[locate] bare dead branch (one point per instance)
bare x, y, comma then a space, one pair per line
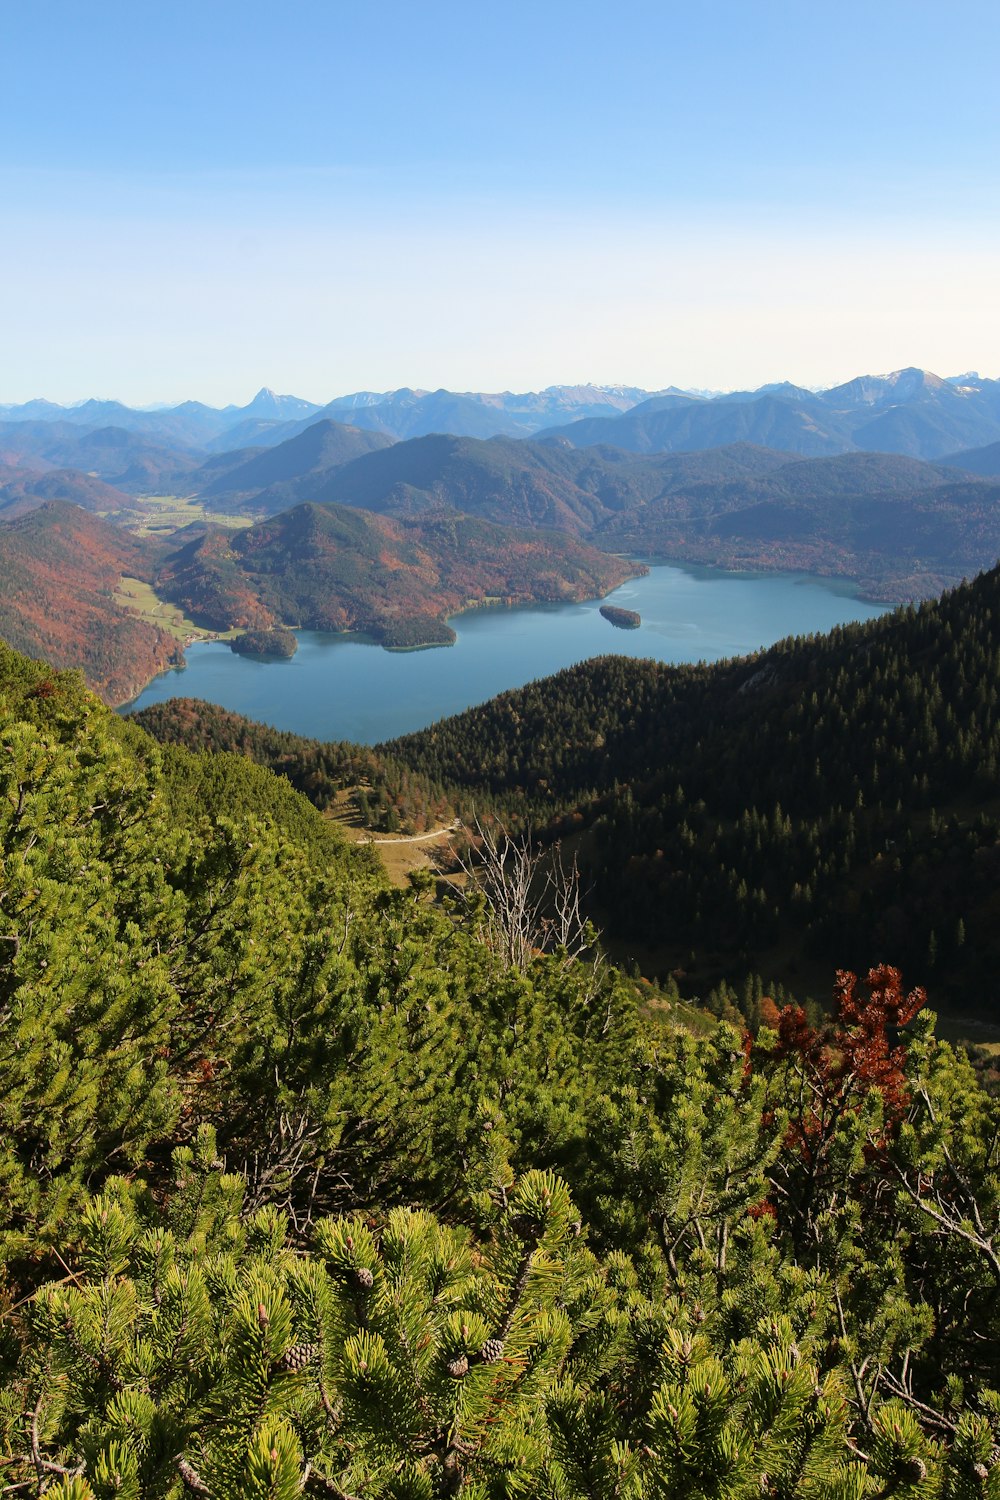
527, 900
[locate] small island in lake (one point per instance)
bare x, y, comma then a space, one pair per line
265, 643
624, 619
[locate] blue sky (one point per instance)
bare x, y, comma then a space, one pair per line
200, 199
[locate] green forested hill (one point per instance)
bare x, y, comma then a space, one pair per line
829, 799
388, 792
22, 490
307, 1190
903, 527
329, 567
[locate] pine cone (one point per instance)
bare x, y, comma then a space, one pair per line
299, 1356
458, 1367
364, 1278
492, 1351
912, 1470
981, 1472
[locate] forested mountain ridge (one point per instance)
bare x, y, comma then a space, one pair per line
329, 567
689, 426
306, 1191
902, 527
22, 490
501, 480
984, 461
898, 535
837, 794
59, 567
322, 446
129, 461
325, 567
390, 796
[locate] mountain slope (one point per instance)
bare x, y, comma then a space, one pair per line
22, 490
322, 447
59, 568
911, 411
409, 414
333, 568
130, 461
838, 794
510, 482
688, 425
902, 527
985, 461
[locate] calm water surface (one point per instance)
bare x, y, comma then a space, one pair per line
342, 688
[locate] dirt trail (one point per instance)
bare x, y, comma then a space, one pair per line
399, 853
414, 838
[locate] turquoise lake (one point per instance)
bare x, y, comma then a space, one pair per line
340, 687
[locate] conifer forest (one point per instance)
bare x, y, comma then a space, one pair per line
499, 750
317, 1186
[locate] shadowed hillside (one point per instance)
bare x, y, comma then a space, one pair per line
835, 794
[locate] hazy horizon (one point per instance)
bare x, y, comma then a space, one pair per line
322, 400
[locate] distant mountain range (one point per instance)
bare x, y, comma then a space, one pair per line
910, 411
270, 418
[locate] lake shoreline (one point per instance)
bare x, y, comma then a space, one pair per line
336, 689
199, 636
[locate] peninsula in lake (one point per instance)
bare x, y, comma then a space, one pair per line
359, 516
321, 566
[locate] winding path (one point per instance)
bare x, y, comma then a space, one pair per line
416, 838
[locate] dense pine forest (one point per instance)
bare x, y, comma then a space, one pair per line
830, 801
388, 795
309, 1190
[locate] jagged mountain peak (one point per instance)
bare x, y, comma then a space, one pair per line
269, 403
891, 388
